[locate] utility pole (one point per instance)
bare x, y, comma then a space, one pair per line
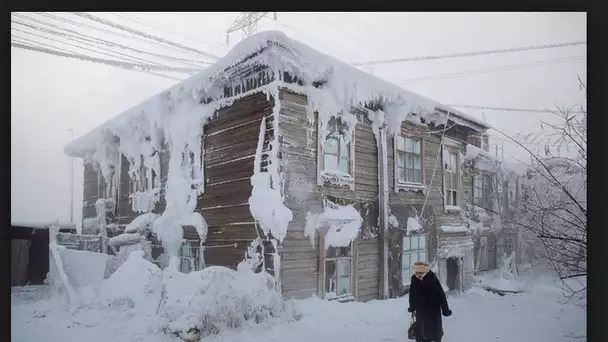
247, 22
71, 180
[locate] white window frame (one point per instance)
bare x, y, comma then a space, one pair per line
324, 176
451, 147
405, 185
421, 253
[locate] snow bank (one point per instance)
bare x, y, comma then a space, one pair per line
218, 298
135, 285
341, 221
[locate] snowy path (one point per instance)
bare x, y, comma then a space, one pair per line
478, 316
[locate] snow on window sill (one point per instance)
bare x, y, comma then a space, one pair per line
335, 177
452, 208
415, 187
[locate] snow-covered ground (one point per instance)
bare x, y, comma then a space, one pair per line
537, 314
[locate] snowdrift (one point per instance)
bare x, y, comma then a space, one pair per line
78, 274
207, 301
218, 298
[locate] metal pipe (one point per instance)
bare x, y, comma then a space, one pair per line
383, 206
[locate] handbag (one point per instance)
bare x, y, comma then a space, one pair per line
414, 329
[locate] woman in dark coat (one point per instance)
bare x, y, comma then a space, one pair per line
428, 303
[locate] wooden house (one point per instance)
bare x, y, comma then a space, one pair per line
283, 150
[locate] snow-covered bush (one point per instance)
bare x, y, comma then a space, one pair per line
136, 285
218, 298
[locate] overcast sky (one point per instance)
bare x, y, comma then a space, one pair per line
52, 94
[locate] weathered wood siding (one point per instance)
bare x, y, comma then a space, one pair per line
230, 142
300, 261
368, 269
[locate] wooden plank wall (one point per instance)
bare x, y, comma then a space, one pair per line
230, 142
299, 268
20, 252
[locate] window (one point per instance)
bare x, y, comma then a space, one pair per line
409, 160
414, 249
338, 272
336, 154
479, 187
189, 256
450, 178
145, 178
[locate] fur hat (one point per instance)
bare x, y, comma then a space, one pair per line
421, 267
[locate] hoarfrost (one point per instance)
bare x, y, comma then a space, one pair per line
341, 221
413, 225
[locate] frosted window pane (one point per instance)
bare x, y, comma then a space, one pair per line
406, 243
400, 159
401, 173
453, 161
423, 256
331, 146
422, 241
408, 161
344, 164
344, 267
330, 277
416, 146
417, 176
400, 143
414, 242
331, 162
408, 145
417, 162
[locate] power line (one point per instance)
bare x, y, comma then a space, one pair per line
108, 52
124, 65
474, 53
143, 34
490, 70
165, 28
522, 110
81, 36
110, 32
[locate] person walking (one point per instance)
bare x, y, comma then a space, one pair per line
427, 302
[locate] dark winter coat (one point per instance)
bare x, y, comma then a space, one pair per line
428, 302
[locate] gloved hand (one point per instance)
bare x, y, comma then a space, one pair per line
410, 310
447, 313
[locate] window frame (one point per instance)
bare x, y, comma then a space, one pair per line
449, 148
324, 175
399, 185
145, 180
323, 258
479, 178
417, 251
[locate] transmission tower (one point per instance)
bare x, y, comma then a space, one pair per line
247, 22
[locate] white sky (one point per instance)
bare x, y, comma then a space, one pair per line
51, 94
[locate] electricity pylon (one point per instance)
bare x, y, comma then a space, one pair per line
247, 22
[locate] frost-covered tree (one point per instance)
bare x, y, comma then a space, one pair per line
550, 211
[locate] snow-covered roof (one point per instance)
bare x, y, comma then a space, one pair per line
279, 53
